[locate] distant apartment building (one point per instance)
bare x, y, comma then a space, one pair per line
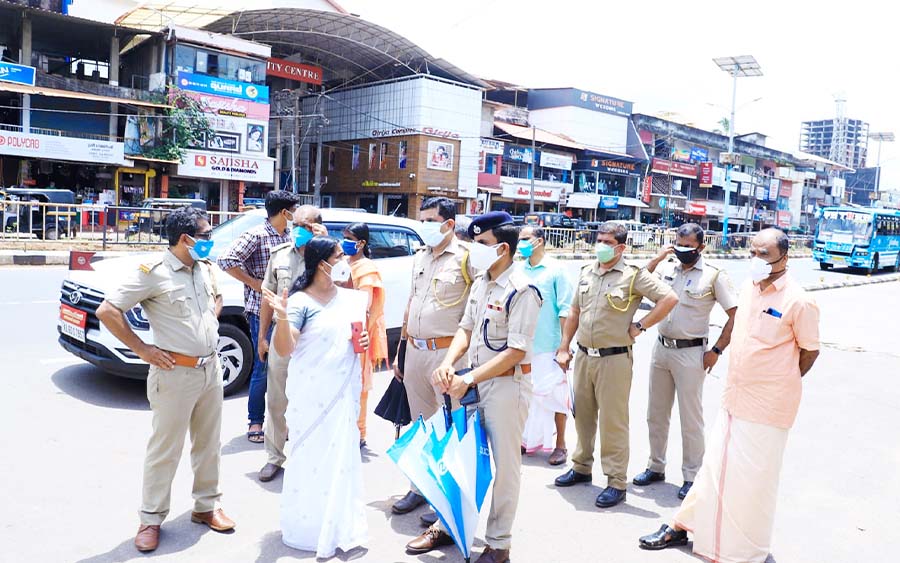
839, 139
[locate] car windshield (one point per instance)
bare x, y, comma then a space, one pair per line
846, 227
224, 234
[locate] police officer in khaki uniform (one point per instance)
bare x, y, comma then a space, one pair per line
441, 278
179, 295
496, 333
680, 359
285, 265
607, 297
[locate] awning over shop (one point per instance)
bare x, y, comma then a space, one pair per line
42, 91
541, 137
631, 202
586, 200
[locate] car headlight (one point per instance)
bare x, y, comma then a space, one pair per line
862, 252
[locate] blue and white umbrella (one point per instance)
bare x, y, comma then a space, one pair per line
451, 465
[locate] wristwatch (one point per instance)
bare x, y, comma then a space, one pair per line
716, 349
468, 379
640, 327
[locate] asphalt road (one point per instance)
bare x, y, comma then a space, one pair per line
73, 441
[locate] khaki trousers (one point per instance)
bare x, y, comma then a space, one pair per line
676, 371
182, 400
424, 399
603, 384
276, 405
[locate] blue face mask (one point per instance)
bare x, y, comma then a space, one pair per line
349, 247
525, 248
201, 248
301, 236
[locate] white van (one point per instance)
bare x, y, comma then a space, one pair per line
393, 241
638, 233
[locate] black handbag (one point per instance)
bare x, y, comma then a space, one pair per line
471, 397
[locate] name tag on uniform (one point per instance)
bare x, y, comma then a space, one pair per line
494, 307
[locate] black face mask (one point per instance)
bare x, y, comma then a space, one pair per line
687, 257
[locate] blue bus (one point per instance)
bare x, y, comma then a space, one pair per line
867, 238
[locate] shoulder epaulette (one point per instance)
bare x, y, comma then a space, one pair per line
147, 267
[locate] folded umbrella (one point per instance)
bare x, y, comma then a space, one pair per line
394, 405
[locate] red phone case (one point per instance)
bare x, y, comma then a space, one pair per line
357, 328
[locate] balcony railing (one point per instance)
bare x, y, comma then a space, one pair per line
59, 133
72, 84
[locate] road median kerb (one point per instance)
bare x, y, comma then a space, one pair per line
46, 258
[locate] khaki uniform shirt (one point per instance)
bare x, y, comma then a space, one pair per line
608, 301
285, 265
487, 308
439, 291
179, 302
698, 290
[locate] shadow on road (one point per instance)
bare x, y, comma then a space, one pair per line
175, 536
271, 549
240, 444
93, 386
583, 496
663, 494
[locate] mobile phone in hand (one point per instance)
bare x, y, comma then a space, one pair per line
356, 329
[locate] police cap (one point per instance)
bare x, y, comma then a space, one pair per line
488, 221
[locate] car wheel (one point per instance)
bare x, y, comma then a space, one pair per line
235, 353
824, 266
51, 234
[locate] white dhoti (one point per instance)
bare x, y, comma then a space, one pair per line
731, 508
550, 396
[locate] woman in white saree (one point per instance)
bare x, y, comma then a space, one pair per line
321, 500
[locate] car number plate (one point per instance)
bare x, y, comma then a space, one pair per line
72, 322
837, 259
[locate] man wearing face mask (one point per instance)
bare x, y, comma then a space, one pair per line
285, 265
179, 295
550, 400
441, 277
246, 260
680, 360
731, 507
495, 336
606, 300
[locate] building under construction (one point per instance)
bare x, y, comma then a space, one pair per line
840, 139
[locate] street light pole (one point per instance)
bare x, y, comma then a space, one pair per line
880, 137
533, 169
744, 65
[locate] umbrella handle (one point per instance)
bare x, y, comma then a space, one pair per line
448, 410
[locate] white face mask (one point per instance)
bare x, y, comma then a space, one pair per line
483, 256
431, 233
340, 271
759, 269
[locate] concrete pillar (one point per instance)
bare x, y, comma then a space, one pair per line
25, 59
113, 81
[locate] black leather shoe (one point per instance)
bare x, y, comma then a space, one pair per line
408, 503
610, 497
648, 477
571, 477
429, 518
685, 489
665, 537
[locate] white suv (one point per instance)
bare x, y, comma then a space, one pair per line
393, 241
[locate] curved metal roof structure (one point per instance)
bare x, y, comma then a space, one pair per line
350, 50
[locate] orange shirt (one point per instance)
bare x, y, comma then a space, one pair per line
763, 383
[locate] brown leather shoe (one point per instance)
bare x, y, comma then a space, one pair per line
147, 538
433, 538
215, 519
491, 555
557, 457
268, 472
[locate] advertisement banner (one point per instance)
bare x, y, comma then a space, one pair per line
298, 72
491, 146
784, 219
440, 156
647, 191
706, 174
222, 87
558, 161
17, 74
662, 166
519, 154
681, 154
787, 189
694, 208
227, 167
699, 154
609, 202
53, 147
617, 167
231, 107
515, 188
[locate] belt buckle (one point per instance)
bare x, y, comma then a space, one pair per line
594, 352
420, 343
202, 361
669, 342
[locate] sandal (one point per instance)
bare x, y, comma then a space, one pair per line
257, 437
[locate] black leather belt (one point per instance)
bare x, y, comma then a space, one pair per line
603, 352
679, 343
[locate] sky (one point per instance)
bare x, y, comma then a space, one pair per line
659, 54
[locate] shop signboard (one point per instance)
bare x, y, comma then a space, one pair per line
718, 176
784, 219
519, 154
17, 74
492, 146
695, 208
706, 174
558, 161
564, 97
52, 147
298, 72
786, 190
662, 166
516, 188
616, 167
646, 193
699, 154
231, 107
202, 164
609, 202
222, 87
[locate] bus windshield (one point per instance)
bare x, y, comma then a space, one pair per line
846, 227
